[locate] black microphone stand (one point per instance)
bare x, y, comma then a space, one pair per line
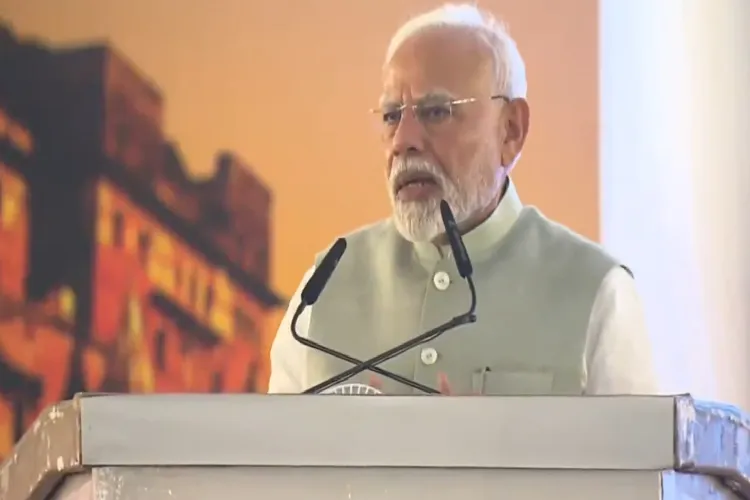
340, 355
371, 364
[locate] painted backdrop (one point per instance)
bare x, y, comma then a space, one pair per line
168, 169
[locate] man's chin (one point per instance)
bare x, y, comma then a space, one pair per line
417, 224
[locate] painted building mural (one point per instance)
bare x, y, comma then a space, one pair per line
119, 272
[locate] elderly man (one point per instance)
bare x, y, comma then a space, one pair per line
556, 314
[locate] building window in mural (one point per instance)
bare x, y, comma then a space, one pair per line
118, 229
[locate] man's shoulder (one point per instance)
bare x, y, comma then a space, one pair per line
564, 245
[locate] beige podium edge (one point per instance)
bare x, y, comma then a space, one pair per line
707, 445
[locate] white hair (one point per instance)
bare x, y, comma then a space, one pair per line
510, 71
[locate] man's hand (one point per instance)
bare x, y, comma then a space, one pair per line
376, 383
443, 385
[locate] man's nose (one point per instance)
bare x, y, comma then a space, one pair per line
409, 135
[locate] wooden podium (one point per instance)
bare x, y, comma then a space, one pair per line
232, 447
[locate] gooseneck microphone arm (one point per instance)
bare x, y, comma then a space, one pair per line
460, 254
465, 270
371, 364
336, 354
309, 296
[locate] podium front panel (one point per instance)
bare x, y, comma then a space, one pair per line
199, 446
341, 483
636, 432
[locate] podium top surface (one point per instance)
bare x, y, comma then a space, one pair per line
549, 432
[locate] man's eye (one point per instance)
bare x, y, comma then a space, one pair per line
435, 112
391, 117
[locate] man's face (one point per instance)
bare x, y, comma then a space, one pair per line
437, 150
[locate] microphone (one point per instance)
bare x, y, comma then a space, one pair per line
461, 256
323, 273
310, 294
465, 270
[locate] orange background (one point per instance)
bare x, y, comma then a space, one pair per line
287, 84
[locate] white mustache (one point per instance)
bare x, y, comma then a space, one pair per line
410, 165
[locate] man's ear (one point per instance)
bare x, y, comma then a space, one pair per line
515, 128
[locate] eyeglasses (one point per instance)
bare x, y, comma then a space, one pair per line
430, 113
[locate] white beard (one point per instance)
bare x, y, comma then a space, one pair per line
420, 221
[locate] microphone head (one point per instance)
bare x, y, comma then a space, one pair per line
461, 256
323, 272
446, 214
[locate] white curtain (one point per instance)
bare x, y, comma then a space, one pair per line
675, 180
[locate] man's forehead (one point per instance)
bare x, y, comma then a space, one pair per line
417, 88
437, 63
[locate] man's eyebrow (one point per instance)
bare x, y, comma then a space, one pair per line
436, 96
384, 102
439, 95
